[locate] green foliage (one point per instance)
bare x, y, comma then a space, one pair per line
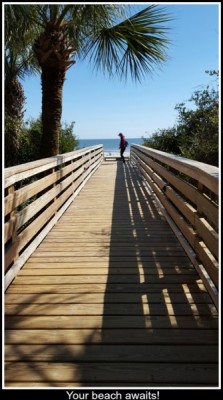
14, 101
199, 128
164, 140
30, 140
18, 62
196, 134
67, 140
12, 128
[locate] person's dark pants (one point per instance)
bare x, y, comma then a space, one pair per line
121, 154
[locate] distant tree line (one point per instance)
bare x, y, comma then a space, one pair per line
196, 134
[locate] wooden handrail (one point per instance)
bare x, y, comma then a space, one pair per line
188, 193
36, 195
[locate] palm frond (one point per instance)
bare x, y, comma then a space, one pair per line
19, 58
136, 45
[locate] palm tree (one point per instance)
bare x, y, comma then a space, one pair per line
19, 61
134, 45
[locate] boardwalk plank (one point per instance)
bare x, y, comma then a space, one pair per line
117, 321
92, 269
110, 309
89, 298
118, 353
116, 372
143, 288
112, 336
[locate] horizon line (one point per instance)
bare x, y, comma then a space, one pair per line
109, 138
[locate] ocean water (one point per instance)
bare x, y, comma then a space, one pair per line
110, 145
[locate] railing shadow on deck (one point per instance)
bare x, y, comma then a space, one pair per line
149, 319
146, 338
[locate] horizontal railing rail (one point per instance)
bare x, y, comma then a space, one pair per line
36, 195
188, 193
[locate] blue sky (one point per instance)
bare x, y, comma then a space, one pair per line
102, 107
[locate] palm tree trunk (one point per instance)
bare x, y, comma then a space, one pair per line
52, 89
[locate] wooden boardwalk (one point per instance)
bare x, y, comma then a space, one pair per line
110, 299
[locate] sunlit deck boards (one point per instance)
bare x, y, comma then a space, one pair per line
110, 298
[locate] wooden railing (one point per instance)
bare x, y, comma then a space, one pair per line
36, 195
188, 194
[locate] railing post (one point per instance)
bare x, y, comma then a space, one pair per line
12, 220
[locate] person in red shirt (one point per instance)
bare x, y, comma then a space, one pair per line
122, 146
